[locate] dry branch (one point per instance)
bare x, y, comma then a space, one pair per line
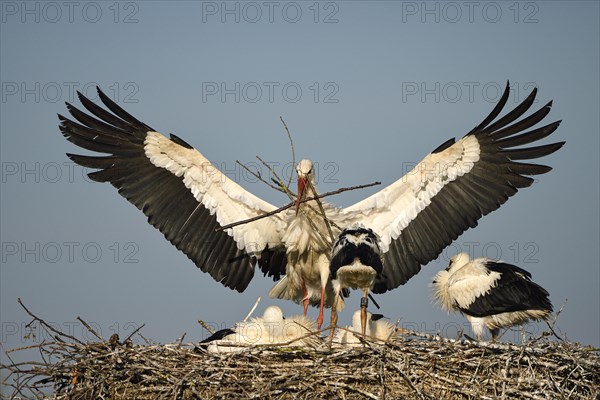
291, 145
260, 178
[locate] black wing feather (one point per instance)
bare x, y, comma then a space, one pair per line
461, 203
514, 291
162, 196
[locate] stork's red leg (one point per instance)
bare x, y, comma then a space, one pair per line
305, 300
321, 306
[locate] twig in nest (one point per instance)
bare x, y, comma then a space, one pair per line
134, 332
551, 326
46, 325
89, 328
408, 381
355, 389
180, 341
253, 308
205, 326
292, 204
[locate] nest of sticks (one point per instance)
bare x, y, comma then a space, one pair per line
409, 365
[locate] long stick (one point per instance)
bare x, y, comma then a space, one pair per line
280, 209
322, 210
292, 146
46, 325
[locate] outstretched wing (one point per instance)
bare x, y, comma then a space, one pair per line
180, 191
452, 188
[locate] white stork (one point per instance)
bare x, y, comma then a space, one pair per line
271, 328
491, 294
356, 260
187, 198
377, 328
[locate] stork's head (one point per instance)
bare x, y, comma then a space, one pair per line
457, 261
444, 279
273, 314
305, 177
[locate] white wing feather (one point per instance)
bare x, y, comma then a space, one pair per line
390, 210
470, 282
219, 194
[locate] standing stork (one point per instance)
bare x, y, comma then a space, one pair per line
491, 294
307, 240
187, 198
356, 260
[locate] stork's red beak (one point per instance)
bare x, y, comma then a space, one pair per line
301, 188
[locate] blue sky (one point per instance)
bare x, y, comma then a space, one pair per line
366, 88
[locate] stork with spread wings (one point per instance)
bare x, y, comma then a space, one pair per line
187, 198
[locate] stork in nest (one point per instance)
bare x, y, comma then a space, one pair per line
491, 294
